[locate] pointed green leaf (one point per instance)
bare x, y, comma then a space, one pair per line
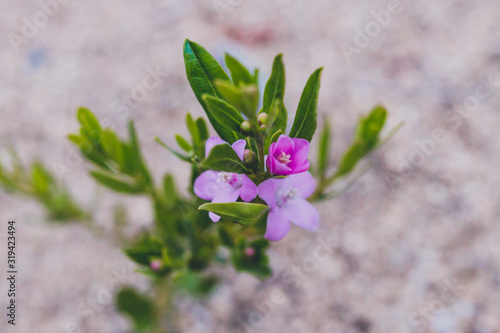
224, 158
136, 152
324, 149
202, 128
304, 124
238, 212
112, 146
183, 143
173, 151
115, 183
239, 73
88, 120
275, 86
202, 71
223, 112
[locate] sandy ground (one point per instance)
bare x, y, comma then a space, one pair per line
412, 247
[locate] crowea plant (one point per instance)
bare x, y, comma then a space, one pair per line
251, 180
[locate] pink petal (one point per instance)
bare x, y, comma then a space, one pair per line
299, 156
206, 186
302, 213
214, 217
285, 144
304, 182
277, 225
212, 142
267, 192
239, 147
302, 167
248, 190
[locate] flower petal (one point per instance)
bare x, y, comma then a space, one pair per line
301, 168
212, 142
206, 186
285, 144
277, 225
299, 156
239, 147
248, 190
267, 192
302, 213
304, 182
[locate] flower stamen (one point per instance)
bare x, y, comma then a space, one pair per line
284, 158
287, 195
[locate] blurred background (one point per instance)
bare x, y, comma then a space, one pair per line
412, 247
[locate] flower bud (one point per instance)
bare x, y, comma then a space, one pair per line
262, 128
248, 156
262, 118
249, 252
156, 264
245, 127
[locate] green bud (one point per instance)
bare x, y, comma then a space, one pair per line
262, 128
262, 118
248, 156
245, 127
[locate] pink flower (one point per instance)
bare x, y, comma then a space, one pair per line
286, 198
288, 156
221, 186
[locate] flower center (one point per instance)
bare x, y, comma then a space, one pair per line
286, 195
227, 178
284, 158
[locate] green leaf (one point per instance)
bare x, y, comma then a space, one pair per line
224, 113
351, 157
112, 146
239, 73
366, 139
173, 151
137, 307
275, 86
136, 152
202, 128
202, 71
88, 120
193, 129
370, 126
183, 143
231, 94
324, 149
41, 178
304, 124
224, 158
115, 183
238, 212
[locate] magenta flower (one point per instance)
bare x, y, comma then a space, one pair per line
288, 156
220, 187
286, 198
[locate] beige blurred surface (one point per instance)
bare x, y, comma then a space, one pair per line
414, 244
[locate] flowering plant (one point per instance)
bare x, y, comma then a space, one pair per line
249, 183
